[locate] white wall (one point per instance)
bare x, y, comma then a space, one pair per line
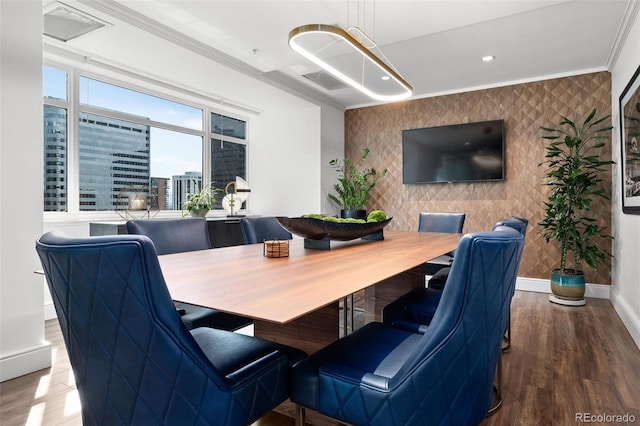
22, 345
332, 148
625, 289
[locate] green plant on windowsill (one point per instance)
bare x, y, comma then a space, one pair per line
200, 202
354, 185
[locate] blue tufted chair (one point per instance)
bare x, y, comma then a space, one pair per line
519, 224
415, 309
135, 363
440, 222
439, 279
181, 235
257, 229
388, 376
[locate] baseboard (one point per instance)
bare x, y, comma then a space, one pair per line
539, 285
49, 312
25, 362
628, 317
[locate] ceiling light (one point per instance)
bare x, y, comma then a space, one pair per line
341, 54
488, 58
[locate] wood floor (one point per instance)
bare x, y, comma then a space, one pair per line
563, 363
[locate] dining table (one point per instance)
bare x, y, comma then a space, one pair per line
294, 300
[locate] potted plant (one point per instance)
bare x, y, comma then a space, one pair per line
354, 186
200, 202
574, 174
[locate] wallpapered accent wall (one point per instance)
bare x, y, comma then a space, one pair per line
524, 108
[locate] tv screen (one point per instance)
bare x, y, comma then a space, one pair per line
456, 153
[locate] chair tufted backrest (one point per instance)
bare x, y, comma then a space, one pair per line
257, 229
173, 235
441, 222
516, 222
451, 223
456, 362
133, 359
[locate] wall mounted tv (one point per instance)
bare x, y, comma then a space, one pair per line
468, 152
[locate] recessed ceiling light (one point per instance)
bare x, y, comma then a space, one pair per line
385, 77
488, 58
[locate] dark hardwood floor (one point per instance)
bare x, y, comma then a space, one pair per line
563, 363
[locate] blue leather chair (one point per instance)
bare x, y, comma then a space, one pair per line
440, 222
134, 360
388, 376
177, 236
257, 229
415, 309
439, 279
520, 224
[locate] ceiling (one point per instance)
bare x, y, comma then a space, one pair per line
435, 45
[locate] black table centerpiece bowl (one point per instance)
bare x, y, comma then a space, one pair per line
318, 229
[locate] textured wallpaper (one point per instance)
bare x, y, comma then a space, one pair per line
524, 108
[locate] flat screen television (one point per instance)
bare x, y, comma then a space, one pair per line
468, 152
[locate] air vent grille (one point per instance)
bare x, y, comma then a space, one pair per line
65, 23
325, 80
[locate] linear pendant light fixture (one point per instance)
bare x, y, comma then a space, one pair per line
345, 57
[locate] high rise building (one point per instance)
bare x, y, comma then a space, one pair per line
114, 158
55, 158
184, 184
160, 194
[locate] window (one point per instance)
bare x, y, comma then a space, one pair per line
55, 133
55, 158
54, 83
129, 141
228, 151
107, 96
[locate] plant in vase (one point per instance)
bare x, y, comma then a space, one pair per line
200, 202
574, 175
354, 185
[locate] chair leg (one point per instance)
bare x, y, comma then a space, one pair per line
506, 339
345, 316
497, 389
300, 415
353, 321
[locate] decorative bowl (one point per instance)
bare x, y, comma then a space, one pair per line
318, 229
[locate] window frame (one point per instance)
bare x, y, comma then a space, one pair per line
75, 109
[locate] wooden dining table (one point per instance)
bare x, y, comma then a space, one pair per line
295, 300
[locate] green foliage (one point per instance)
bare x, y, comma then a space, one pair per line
313, 216
354, 186
200, 202
376, 216
333, 218
574, 171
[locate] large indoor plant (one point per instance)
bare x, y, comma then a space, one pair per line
574, 174
354, 185
199, 203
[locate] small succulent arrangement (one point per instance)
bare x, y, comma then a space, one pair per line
200, 202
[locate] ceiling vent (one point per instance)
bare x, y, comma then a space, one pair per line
65, 23
325, 80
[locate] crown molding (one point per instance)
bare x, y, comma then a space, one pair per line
630, 14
